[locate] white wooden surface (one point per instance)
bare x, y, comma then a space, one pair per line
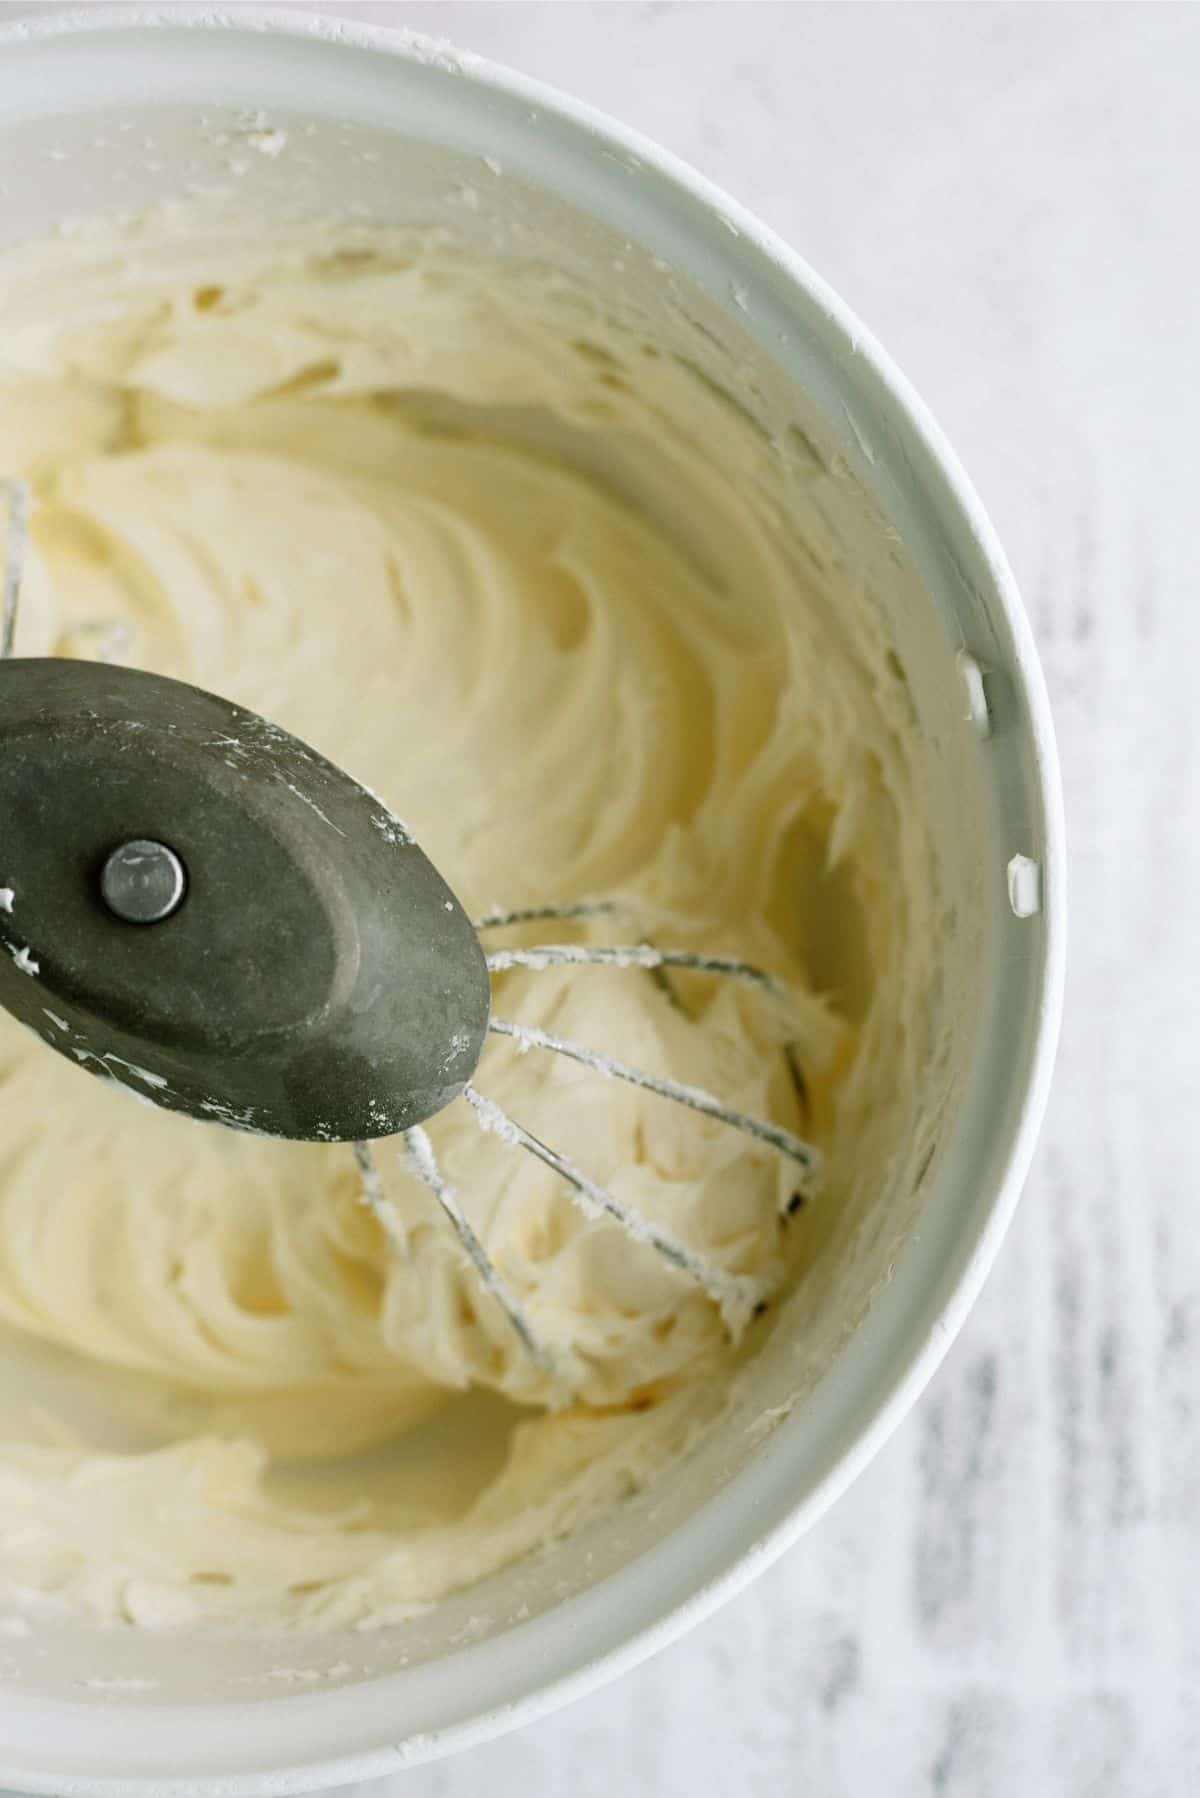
1008, 1602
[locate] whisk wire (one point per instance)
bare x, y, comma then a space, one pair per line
694, 1097
738, 1295
500, 916
423, 1162
373, 1198
631, 955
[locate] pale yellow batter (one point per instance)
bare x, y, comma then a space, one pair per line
390, 504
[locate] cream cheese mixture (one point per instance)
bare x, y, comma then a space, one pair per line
494, 559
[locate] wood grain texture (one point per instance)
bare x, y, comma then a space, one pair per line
1008, 1601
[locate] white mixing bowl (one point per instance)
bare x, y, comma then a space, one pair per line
113, 112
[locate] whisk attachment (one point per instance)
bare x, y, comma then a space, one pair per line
739, 1297
314, 977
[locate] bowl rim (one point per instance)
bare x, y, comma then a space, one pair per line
613, 1626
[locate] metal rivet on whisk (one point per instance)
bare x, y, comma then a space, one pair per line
143, 881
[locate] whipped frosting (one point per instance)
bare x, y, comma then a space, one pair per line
505, 564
